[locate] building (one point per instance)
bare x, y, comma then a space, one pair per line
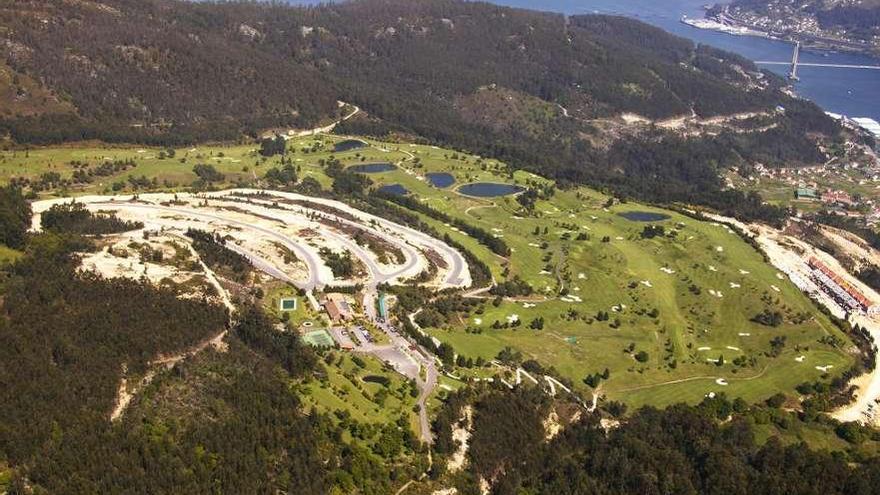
383, 309
837, 197
337, 308
846, 294
806, 193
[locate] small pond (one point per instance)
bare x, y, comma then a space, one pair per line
489, 189
644, 216
440, 180
348, 145
372, 168
396, 189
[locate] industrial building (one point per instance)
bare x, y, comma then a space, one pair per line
847, 295
806, 193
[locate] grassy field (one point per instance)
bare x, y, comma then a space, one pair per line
8, 255
683, 298
5, 477
275, 291
817, 435
346, 390
712, 286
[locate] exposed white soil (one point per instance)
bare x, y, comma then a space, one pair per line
262, 231
461, 433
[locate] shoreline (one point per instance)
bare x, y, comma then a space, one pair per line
810, 43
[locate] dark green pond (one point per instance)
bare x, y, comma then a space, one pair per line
372, 168
644, 216
348, 145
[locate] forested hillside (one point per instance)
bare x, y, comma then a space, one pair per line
521, 86
709, 448
226, 420
206, 69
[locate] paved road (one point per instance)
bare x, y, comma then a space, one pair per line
456, 271
376, 271
312, 261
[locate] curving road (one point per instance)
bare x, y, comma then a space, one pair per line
377, 275
455, 276
312, 261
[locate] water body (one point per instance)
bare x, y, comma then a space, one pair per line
440, 180
396, 189
489, 189
348, 145
851, 92
372, 168
644, 216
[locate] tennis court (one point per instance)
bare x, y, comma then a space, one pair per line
318, 338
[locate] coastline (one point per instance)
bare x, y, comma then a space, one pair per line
729, 25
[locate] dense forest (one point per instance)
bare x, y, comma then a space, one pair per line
709, 448
226, 420
169, 72
75, 218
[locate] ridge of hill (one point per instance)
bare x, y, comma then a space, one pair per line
168, 72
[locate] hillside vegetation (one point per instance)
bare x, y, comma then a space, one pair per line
522, 86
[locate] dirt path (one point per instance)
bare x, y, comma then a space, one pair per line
124, 394
321, 130
852, 245
693, 378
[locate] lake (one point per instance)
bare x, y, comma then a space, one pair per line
372, 168
440, 180
851, 92
396, 189
348, 145
489, 189
644, 216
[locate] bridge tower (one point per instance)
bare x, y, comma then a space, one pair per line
794, 62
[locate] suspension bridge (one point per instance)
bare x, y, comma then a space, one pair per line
795, 63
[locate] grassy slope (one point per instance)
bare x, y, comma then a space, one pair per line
359, 397
573, 346
690, 321
8, 254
